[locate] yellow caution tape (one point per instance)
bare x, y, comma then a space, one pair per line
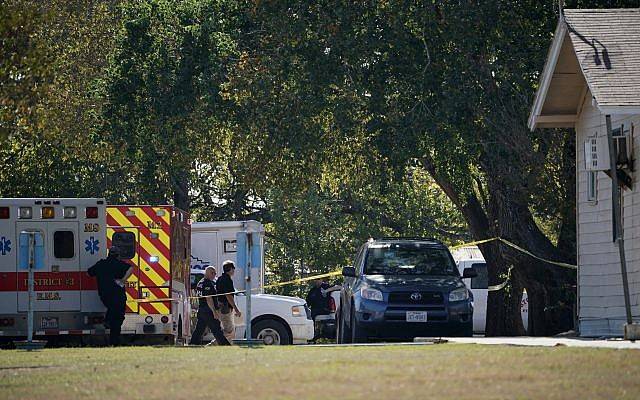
458, 246
309, 278
494, 288
515, 246
558, 263
277, 284
338, 272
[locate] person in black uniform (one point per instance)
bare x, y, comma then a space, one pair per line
208, 310
111, 274
318, 299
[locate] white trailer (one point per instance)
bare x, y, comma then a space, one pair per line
275, 319
66, 298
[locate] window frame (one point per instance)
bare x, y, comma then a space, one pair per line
475, 279
72, 241
122, 253
592, 186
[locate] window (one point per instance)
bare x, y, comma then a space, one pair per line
63, 244
126, 243
592, 186
621, 138
195, 278
482, 280
230, 246
408, 259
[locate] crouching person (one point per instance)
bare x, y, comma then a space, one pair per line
208, 310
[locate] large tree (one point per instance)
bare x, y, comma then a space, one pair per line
439, 86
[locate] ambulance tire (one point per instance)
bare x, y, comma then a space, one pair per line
272, 332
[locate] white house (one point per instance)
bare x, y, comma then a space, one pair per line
593, 71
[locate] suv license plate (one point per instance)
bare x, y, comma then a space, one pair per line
49, 323
416, 316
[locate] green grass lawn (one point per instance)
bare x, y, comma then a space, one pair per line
394, 372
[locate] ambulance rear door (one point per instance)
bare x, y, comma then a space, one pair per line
127, 240
22, 275
63, 281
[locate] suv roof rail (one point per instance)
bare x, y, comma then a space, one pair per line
426, 239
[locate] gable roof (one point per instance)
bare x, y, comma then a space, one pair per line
594, 49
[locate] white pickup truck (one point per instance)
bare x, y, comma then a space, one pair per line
275, 319
471, 257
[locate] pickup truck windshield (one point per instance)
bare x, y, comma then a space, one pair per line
408, 259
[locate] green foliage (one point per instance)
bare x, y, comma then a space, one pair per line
59, 50
163, 93
330, 121
24, 66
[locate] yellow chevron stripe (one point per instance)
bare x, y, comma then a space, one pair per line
153, 251
146, 269
167, 214
159, 308
144, 266
162, 236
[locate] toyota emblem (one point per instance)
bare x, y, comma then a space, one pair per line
416, 296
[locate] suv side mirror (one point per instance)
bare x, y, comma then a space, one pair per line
349, 271
469, 273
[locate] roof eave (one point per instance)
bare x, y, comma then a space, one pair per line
619, 110
547, 73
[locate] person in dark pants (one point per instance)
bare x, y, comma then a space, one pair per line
208, 310
111, 274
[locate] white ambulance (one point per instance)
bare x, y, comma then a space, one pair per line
66, 298
276, 320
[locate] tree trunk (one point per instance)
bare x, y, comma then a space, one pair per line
181, 190
502, 306
512, 220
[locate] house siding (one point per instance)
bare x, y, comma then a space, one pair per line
601, 309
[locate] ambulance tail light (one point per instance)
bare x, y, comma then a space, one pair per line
91, 212
164, 319
7, 322
25, 213
47, 212
4, 212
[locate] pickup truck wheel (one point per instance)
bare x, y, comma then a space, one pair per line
271, 332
